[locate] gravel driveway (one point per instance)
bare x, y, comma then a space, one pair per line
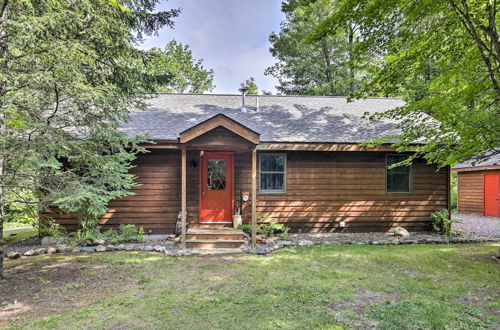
477, 225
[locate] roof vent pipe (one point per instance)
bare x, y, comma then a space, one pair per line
243, 91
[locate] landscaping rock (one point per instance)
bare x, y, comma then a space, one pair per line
148, 248
98, 241
64, 248
100, 248
184, 253
111, 247
400, 231
88, 249
305, 243
170, 253
13, 255
52, 250
261, 239
129, 247
159, 248
40, 251
29, 253
409, 241
395, 242
120, 247
76, 249
282, 244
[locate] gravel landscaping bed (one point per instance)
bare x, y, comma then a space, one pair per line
476, 225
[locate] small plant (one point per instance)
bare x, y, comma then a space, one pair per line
246, 228
140, 235
128, 232
441, 222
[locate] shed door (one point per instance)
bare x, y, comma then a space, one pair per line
491, 194
216, 187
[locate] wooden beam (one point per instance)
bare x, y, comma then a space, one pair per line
216, 121
184, 200
254, 197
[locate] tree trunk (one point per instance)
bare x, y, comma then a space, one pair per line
3, 91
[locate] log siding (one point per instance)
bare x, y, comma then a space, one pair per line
470, 191
323, 189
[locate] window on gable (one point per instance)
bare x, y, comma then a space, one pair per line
272, 173
398, 178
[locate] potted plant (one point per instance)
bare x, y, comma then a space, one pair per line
237, 216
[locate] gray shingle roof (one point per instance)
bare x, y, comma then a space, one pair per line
280, 118
492, 161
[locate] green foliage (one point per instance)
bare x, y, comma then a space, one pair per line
443, 58
269, 229
175, 70
141, 235
441, 222
322, 67
251, 86
18, 211
454, 191
125, 233
246, 228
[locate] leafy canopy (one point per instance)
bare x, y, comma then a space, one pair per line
324, 66
443, 58
177, 71
250, 85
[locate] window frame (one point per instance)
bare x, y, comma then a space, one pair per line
410, 176
285, 167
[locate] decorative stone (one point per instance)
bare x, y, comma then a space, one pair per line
400, 231
395, 242
409, 241
98, 241
184, 253
159, 248
40, 251
29, 253
52, 250
177, 240
282, 244
148, 248
120, 247
13, 255
305, 243
76, 249
111, 247
260, 239
384, 242
434, 241
170, 253
129, 247
100, 248
88, 249
65, 249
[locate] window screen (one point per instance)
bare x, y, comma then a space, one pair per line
272, 173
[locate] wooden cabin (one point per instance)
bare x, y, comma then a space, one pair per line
478, 187
297, 159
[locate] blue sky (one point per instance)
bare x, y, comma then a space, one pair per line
231, 36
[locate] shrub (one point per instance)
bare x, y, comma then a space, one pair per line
267, 229
140, 235
128, 232
441, 222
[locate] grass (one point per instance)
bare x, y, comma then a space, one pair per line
13, 238
386, 287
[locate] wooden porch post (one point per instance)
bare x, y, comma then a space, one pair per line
254, 197
183, 198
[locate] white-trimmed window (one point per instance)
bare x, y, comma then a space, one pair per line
397, 178
272, 169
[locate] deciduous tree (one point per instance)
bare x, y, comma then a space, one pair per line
177, 71
443, 57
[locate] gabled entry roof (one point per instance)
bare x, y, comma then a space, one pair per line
219, 120
278, 119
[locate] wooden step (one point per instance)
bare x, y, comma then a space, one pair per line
211, 225
215, 234
214, 243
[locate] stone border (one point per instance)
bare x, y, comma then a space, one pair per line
173, 249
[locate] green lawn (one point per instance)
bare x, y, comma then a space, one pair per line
387, 287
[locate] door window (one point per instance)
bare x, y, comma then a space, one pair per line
216, 174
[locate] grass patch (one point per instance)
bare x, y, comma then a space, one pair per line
13, 238
387, 287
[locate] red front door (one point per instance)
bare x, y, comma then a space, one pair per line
491, 194
216, 188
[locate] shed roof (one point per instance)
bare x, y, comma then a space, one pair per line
493, 162
279, 119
